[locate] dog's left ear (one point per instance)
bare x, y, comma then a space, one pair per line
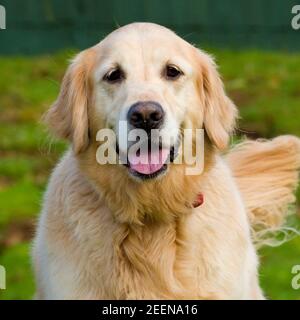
219, 111
68, 116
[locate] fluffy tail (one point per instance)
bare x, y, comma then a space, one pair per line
267, 174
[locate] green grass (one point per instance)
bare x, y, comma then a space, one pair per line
265, 86
276, 276
19, 277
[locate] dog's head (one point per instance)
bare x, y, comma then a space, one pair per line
145, 76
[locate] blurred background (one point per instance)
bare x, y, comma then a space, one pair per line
255, 46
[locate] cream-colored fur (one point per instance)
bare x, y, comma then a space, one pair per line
104, 235
267, 175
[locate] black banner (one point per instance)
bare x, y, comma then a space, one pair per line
90, 310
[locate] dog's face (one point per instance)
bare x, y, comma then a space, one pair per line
146, 77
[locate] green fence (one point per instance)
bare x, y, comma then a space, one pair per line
37, 26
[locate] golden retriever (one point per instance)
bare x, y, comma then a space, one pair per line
131, 232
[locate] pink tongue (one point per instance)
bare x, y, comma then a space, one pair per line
148, 163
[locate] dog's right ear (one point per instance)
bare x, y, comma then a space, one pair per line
68, 116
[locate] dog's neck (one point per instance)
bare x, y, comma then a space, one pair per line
136, 202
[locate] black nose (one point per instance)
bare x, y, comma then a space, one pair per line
146, 115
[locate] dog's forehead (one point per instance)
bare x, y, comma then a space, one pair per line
149, 36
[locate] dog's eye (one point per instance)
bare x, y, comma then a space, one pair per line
115, 75
172, 72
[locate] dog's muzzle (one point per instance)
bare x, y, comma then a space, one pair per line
152, 161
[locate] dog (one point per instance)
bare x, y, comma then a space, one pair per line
127, 231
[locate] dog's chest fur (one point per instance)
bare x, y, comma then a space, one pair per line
90, 255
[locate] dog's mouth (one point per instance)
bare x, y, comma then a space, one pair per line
150, 164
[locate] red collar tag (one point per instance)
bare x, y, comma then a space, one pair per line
199, 200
